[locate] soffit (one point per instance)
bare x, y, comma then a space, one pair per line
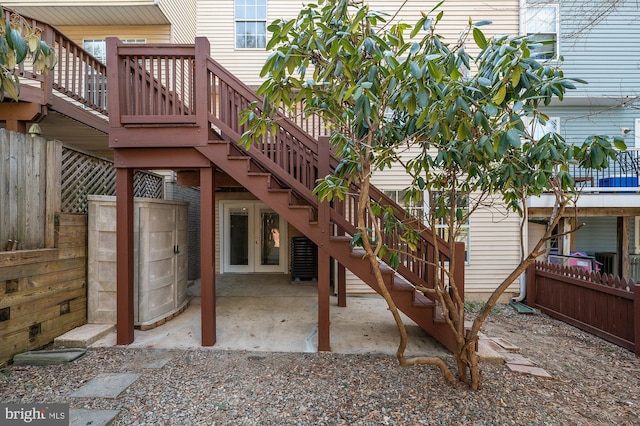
61, 15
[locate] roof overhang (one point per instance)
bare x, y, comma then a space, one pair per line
73, 13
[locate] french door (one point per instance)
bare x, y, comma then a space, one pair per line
253, 238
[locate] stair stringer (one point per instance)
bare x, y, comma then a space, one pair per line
412, 303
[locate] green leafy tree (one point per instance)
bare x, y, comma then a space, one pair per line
19, 42
390, 88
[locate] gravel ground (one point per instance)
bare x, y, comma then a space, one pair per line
593, 382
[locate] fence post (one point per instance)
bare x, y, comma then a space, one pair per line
53, 190
530, 281
636, 318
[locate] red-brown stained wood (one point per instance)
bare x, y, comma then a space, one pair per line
598, 303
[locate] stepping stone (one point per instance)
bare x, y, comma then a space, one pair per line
48, 357
83, 336
507, 346
92, 417
148, 359
511, 358
106, 385
527, 369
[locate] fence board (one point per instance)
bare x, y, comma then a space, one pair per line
600, 304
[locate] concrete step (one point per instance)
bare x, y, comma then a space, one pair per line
83, 336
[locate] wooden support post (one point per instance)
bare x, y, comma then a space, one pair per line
564, 241
124, 256
458, 274
622, 231
324, 277
207, 256
342, 286
201, 92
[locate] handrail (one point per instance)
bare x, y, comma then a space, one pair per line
78, 75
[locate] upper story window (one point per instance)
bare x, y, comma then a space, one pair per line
251, 24
537, 129
543, 25
98, 47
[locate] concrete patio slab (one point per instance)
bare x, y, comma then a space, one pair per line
269, 313
106, 385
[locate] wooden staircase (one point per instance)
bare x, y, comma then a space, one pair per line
156, 121
243, 168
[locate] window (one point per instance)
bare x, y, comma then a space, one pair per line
417, 209
414, 208
463, 232
98, 47
251, 24
537, 129
542, 24
96, 84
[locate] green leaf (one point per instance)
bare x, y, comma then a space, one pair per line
479, 38
416, 71
498, 98
513, 136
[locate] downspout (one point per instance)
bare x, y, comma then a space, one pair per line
523, 280
525, 229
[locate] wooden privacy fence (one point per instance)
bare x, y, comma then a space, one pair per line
39, 178
604, 305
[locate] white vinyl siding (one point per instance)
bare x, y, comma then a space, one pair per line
216, 21
182, 15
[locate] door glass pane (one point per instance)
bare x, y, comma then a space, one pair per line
239, 237
269, 238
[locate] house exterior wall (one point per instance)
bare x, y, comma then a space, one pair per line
215, 20
182, 15
597, 39
581, 121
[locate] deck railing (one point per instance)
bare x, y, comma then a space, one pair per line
622, 175
77, 75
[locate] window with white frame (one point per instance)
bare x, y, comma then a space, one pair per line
463, 228
543, 26
251, 24
537, 129
98, 47
96, 84
417, 209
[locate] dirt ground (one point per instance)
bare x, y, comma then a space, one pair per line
595, 373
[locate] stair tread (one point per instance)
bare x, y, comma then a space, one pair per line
422, 301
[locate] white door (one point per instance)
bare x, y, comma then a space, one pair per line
254, 238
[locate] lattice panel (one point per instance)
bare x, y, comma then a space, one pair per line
148, 185
84, 174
